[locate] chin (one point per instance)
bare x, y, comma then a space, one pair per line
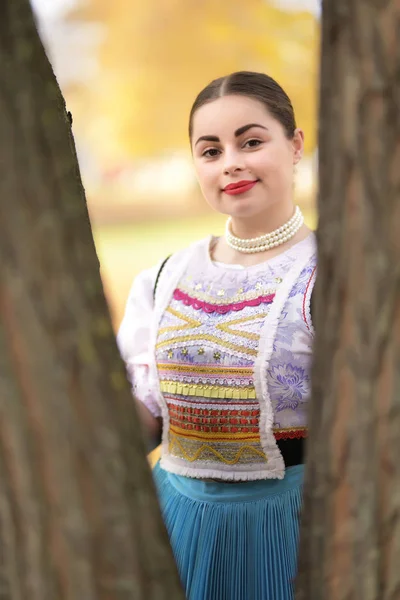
244, 212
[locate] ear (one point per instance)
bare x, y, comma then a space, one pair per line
298, 145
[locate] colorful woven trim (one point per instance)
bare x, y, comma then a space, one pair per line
213, 421
188, 370
208, 391
291, 433
215, 436
193, 450
222, 309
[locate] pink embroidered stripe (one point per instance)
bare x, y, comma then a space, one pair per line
220, 308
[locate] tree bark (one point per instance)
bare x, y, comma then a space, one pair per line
350, 538
78, 511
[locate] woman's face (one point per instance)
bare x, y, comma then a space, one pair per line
243, 159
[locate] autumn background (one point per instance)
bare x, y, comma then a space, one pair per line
129, 71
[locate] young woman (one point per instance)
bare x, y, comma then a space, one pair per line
219, 354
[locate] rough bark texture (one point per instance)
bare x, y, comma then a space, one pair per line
350, 546
78, 513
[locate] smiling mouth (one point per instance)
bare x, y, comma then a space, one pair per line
233, 189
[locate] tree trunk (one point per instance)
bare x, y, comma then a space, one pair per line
350, 539
78, 512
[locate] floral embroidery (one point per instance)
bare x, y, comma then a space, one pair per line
290, 331
301, 284
289, 382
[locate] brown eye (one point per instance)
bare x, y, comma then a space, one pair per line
211, 153
252, 143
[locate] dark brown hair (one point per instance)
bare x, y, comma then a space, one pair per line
258, 86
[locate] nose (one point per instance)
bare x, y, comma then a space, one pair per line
233, 162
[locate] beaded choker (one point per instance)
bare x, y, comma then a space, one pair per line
267, 241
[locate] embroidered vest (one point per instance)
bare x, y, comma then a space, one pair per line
233, 353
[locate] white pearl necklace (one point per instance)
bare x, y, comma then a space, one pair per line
267, 241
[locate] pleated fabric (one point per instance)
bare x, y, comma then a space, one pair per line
233, 541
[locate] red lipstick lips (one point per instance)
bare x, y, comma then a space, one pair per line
240, 187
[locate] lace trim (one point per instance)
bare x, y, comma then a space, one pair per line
258, 288
222, 309
203, 469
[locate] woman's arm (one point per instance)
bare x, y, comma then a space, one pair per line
152, 425
134, 343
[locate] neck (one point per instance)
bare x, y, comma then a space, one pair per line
276, 216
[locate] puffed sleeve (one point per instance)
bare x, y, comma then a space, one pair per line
133, 338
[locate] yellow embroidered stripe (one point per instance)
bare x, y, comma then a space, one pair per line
208, 391
205, 447
209, 338
214, 436
244, 371
190, 323
227, 327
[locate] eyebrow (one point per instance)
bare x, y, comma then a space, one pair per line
238, 132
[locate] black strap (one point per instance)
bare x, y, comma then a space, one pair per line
158, 276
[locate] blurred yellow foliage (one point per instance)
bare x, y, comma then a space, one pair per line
158, 54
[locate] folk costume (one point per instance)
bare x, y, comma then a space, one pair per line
222, 353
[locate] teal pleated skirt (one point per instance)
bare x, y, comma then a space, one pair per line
233, 541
